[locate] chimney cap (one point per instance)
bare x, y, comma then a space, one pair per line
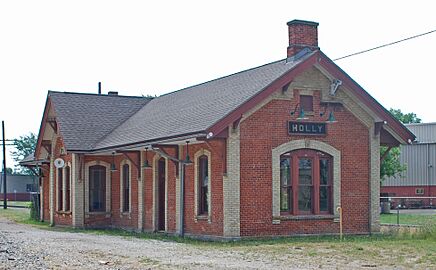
302, 22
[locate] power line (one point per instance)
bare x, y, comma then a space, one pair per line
385, 45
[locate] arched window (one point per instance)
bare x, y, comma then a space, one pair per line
203, 185
60, 189
67, 189
126, 188
97, 188
306, 182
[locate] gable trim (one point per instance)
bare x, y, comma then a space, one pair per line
270, 89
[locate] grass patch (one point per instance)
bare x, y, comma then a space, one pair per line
404, 251
20, 216
409, 219
17, 203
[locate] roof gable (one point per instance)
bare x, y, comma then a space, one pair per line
84, 119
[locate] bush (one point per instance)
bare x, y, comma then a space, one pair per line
33, 211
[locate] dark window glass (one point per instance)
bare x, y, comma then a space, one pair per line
306, 102
285, 185
324, 171
126, 188
325, 185
305, 184
203, 178
67, 189
97, 188
60, 189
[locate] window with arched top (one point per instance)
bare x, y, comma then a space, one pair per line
125, 188
203, 185
306, 181
67, 206
97, 188
60, 188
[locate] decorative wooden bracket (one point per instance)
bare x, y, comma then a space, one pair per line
377, 128
159, 148
53, 124
136, 164
47, 145
236, 123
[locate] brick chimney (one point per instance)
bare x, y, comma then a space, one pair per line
302, 34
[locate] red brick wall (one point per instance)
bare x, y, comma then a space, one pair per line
116, 218
410, 191
119, 219
267, 129
148, 193
202, 226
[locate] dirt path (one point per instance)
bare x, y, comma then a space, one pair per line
26, 247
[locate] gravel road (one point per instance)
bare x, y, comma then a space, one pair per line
27, 247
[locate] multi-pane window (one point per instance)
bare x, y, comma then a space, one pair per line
60, 189
203, 185
324, 185
285, 185
97, 188
306, 182
126, 188
67, 189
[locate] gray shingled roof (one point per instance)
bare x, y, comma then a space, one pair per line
196, 108
85, 119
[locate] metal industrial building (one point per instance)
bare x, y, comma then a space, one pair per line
19, 187
420, 178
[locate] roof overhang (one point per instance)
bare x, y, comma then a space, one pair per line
393, 131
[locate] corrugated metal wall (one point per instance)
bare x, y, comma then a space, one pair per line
417, 157
425, 133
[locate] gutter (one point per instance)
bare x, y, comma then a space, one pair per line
144, 143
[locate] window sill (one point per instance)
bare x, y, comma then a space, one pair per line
203, 217
63, 212
125, 214
106, 214
306, 217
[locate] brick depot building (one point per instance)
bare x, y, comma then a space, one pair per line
272, 150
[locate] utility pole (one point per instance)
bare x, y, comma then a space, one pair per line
5, 205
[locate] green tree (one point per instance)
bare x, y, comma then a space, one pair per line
24, 146
391, 165
405, 118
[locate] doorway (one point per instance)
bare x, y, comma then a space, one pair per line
161, 194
